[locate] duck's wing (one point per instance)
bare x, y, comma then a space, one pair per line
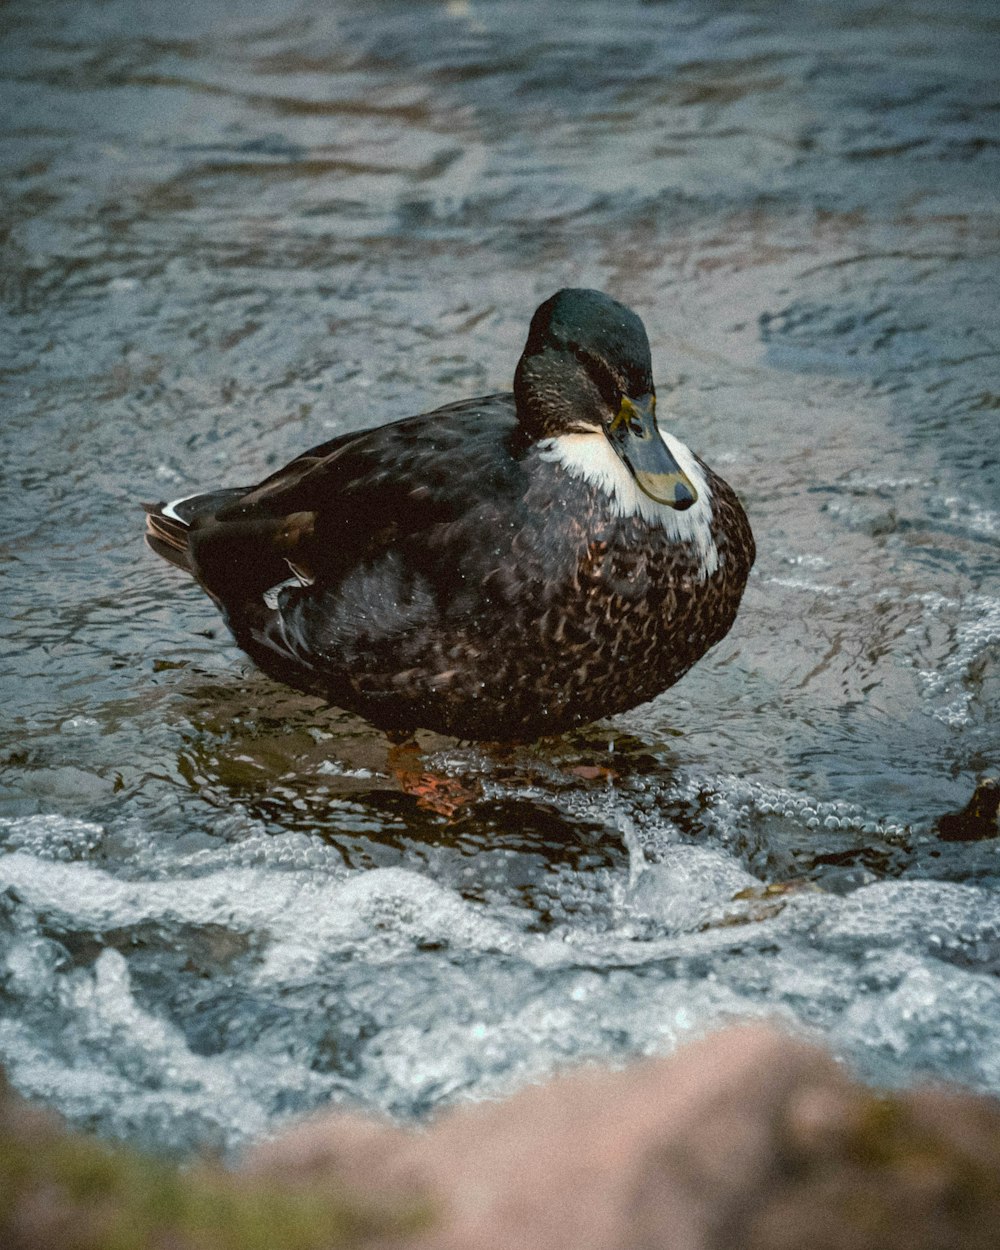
345, 501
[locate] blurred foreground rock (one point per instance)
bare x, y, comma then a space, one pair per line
747, 1140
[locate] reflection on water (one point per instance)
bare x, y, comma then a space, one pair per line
230, 231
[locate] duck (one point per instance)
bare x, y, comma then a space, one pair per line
502, 568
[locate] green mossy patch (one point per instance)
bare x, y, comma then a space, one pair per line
77, 1193
916, 1170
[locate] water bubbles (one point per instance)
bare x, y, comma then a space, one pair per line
732, 810
50, 837
951, 683
934, 1020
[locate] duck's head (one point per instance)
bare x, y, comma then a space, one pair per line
586, 369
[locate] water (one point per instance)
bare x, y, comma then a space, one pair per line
233, 230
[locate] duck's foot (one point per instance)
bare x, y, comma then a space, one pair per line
434, 792
593, 772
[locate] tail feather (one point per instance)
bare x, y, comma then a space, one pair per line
168, 525
167, 537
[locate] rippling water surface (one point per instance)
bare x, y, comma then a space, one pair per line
232, 230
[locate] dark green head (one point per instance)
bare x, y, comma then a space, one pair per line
584, 352
586, 369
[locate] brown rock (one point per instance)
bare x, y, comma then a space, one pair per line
913, 1171
747, 1140
666, 1153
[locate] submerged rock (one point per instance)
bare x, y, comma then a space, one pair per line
746, 1139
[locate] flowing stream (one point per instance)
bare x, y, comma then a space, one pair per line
232, 230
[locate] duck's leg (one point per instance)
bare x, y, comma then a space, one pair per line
435, 792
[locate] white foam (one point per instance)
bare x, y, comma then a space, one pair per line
804, 583
199, 999
302, 910
973, 516
688, 887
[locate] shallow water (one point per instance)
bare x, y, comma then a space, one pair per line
233, 230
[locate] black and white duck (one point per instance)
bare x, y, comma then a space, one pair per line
498, 569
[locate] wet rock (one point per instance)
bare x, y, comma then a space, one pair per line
746, 1139
579, 1162
860, 1171
978, 820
